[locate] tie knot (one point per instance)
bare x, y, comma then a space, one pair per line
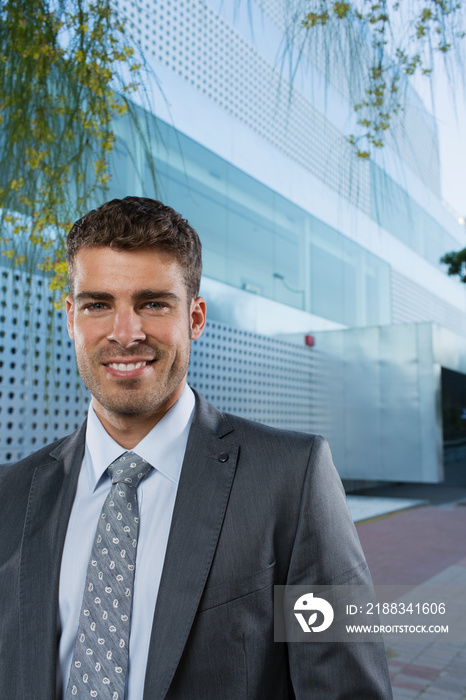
128, 469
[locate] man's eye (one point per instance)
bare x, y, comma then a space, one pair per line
154, 305
96, 306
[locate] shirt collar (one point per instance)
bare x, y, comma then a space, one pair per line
163, 447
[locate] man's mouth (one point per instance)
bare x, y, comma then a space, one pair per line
128, 366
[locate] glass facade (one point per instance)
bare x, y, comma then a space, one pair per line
398, 213
348, 284
256, 240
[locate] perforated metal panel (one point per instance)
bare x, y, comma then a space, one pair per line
288, 17
191, 39
411, 302
261, 378
41, 396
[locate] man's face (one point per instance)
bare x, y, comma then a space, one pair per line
131, 322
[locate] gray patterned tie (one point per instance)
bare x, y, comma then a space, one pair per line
100, 658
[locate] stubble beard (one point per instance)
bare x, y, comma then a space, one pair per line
130, 398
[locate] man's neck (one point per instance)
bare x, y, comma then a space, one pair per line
129, 430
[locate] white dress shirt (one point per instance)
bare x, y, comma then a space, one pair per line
164, 448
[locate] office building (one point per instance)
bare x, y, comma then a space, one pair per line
328, 308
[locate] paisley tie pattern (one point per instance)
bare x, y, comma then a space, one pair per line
100, 659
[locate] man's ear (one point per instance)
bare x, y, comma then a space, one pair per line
197, 317
69, 316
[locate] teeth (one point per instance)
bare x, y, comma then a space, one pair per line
123, 367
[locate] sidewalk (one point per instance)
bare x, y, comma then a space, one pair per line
422, 545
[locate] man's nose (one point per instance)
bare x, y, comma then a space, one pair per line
127, 328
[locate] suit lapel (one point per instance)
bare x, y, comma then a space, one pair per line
204, 488
50, 499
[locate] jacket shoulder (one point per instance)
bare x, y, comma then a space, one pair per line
257, 437
247, 425
30, 462
277, 444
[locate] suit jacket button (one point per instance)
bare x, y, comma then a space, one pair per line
223, 457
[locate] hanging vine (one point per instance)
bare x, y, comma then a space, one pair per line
375, 48
66, 70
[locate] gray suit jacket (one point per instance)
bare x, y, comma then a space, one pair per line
255, 507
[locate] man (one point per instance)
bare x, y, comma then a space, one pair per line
161, 585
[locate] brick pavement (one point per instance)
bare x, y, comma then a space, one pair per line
425, 545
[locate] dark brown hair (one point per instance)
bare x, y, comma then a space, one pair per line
135, 223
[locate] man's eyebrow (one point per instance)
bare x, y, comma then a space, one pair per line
140, 295
102, 296
147, 294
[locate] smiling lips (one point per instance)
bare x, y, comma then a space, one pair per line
131, 368
127, 366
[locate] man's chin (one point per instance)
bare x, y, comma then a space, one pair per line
132, 402
131, 406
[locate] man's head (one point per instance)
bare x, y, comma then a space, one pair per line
137, 223
134, 268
